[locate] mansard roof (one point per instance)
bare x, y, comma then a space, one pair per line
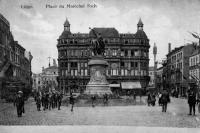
105, 32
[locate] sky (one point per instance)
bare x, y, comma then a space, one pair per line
38, 28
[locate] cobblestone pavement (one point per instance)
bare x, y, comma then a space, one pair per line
137, 115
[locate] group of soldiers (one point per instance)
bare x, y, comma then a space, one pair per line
48, 100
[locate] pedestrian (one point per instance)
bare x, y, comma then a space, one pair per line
93, 98
71, 101
105, 99
148, 98
46, 101
165, 99
19, 103
191, 102
38, 102
153, 99
59, 99
159, 99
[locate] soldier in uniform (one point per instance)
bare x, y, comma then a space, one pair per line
19, 103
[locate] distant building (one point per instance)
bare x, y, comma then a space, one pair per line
37, 82
159, 79
178, 68
15, 64
47, 80
152, 78
127, 55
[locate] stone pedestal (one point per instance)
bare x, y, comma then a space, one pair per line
98, 83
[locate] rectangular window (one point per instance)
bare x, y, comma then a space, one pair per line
76, 72
114, 72
85, 65
126, 72
82, 72
122, 52
72, 73
136, 72
132, 53
126, 52
122, 72
132, 72
122, 64
66, 72
86, 72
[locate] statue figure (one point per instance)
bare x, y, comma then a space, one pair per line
98, 46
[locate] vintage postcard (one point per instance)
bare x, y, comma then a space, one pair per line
99, 65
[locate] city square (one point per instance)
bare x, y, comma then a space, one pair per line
131, 64
134, 115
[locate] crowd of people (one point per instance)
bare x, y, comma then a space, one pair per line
48, 100
51, 100
163, 99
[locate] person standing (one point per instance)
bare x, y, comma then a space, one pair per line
165, 100
38, 102
59, 100
93, 98
19, 103
191, 102
105, 99
71, 101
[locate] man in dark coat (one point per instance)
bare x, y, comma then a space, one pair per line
165, 99
59, 99
38, 102
19, 103
191, 101
71, 101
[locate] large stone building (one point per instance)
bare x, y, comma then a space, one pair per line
127, 55
178, 68
194, 69
15, 63
47, 80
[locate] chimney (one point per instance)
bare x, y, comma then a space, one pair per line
169, 47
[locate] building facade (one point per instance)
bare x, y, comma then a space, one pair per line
47, 80
127, 55
15, 63
194, 69
178, 68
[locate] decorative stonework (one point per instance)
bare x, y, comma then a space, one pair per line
98, 83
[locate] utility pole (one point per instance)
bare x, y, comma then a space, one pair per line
155, 64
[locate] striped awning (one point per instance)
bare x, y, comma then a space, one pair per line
131, 85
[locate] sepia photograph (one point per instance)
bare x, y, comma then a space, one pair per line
99, 66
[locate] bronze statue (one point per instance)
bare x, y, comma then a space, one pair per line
98, 46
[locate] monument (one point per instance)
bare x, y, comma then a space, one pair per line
98, 84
